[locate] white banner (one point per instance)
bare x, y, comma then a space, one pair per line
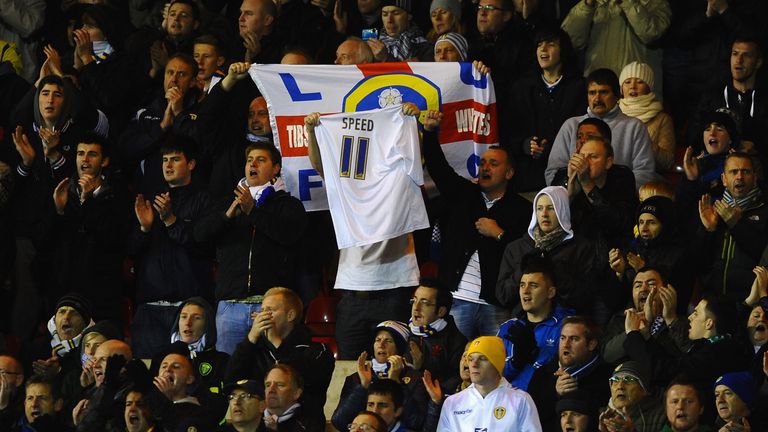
292, 91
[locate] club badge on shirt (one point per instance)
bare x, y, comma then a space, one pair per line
499, 412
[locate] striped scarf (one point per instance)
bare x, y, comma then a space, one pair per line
752, 200
429, 329
62, 347
402, 46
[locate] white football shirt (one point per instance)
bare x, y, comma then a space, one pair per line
372, 171
504, 409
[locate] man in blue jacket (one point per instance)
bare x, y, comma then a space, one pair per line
531, 340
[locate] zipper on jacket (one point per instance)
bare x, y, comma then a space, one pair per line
250, 260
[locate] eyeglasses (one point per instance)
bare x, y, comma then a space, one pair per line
423, 303
489, 8
626, 379
361, 427
242, 397
5, 372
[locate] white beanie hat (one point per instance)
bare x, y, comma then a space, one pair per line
637, 70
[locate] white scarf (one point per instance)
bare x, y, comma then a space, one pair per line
381, 369
256, 191
644, 107
257, 138
286, 415
428, 330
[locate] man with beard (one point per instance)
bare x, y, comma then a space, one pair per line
578, 367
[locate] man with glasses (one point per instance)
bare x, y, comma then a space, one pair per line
367, 421
11, 379
436, 343
631, 402
246, 406
502, 47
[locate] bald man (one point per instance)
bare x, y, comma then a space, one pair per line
104, 352
90, 410
353, 51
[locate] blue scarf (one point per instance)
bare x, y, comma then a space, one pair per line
752, 200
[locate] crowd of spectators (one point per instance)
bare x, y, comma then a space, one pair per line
606, 270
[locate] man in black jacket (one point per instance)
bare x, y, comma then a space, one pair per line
170, 265
436, 343
503, 47
90, 230
175, 111
578, 367
283, 387
481, 220
278, 336
50, 120
712, 348
257, 236
177, 408
733, 230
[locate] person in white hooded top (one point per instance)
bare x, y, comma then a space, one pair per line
550, 233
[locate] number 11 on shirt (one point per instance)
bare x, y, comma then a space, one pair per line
347, 153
